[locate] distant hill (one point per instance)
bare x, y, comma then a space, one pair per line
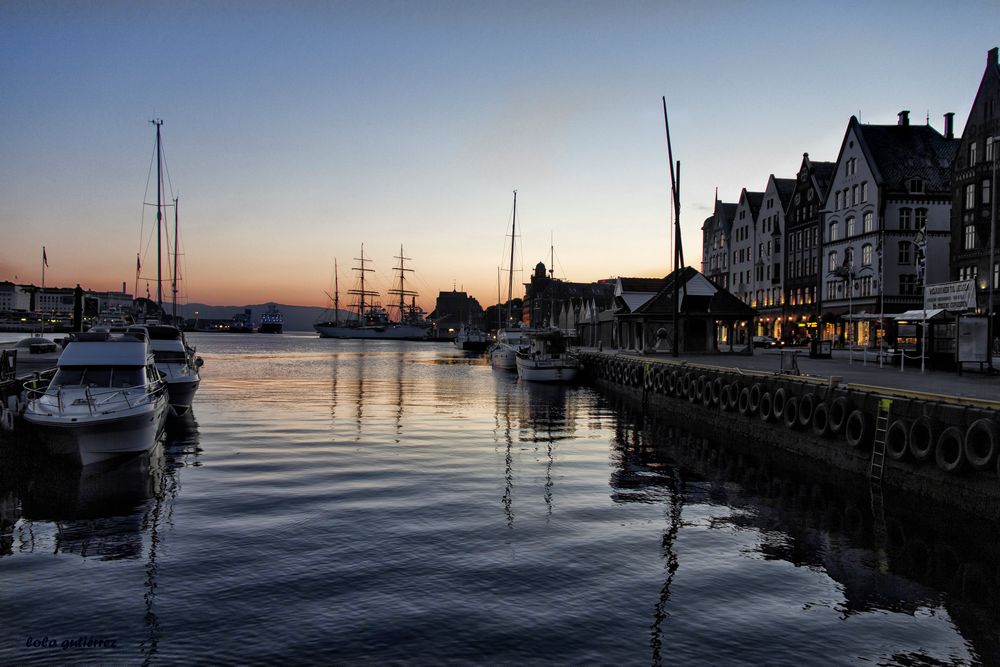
297, 318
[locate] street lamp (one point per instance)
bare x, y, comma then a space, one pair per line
849, 274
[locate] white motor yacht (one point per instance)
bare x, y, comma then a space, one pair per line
547, 359
503, 353
106, 399
175, 360
472, 339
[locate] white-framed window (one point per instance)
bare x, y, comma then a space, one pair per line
834, 232
869, 222
920, 218
851, 231
972, 154
916, 185
854, 195
986, 191
989, 148
866, 254
836, 200
904, 252
864, 191
970, 195
831, 261
969, 237
906, 218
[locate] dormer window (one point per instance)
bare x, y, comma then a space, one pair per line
916, 185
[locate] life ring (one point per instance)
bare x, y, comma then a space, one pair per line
923, 438
755, 392
949, 454
839, 409
744, 401
791, 412
807, 403
897, 440
778, 403
981, 441
858, 431
766, 407
821, 420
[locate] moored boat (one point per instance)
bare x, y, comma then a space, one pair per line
471, 339
271, 321
547, 358
174, 360
106, 399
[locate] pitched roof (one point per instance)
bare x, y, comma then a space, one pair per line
785, 188
822, 173
754, 200
641, 284
902, 152
719, 303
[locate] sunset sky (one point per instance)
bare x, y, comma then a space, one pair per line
295, 132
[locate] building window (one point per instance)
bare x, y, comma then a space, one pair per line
869, 222
834, 231
866, 254
904, 252
972, 154
832, 261
989, 149
854, 195
920, 218
996, 276
905, 218
970, 195
907, 283
969, 242
864, 191
851, 231
986, 191
836, 200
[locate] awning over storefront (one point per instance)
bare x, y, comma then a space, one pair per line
921, 315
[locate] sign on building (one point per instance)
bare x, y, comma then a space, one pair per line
958, 295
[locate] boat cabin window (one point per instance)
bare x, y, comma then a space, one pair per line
169, 357
98, 376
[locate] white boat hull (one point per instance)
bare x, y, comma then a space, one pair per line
561, 369
391, 332
92, 439
503, 357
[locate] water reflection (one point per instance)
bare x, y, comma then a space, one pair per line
885, 554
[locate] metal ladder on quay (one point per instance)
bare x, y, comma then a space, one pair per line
880, 534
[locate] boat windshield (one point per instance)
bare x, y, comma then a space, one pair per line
99, 376
169, 357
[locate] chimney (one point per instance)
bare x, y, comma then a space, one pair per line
123, 287
904, 117
991, 57
949, 125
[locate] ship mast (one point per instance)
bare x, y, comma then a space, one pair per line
336, 294
159, 214
510, 274
402, 292
362, 293
175, 264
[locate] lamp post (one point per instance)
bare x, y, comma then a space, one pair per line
848, 274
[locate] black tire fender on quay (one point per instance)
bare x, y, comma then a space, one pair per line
981, 442
839, 409
949, 453
755, 391
716, 391
792, 412
923, 438
807, 403
778, 403
897, 438
744, 401
821, 420
859, 429
766, 407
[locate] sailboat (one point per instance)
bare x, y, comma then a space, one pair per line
510, 338
175, 359
369, 319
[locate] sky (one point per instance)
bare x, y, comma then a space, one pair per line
295, 132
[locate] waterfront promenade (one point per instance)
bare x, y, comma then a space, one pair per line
972, 385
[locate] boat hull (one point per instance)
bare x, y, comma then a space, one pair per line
391, 332
503, 357
547, 370
94, 439
180, 394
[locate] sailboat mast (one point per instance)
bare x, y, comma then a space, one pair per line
361, 310
678, 251
159, 215
510, 274
175, 263
336, 293
499, 323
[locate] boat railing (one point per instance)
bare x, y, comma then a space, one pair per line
95, 398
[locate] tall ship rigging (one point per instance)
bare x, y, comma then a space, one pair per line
368, 319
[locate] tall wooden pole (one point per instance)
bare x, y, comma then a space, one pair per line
678, 250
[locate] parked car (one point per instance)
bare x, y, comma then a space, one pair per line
764, 341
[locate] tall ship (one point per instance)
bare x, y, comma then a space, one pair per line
271, 321
368, 318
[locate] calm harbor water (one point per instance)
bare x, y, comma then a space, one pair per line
353, 501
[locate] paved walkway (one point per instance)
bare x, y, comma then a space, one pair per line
971, 384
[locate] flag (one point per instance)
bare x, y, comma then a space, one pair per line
138, 264
45, 259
